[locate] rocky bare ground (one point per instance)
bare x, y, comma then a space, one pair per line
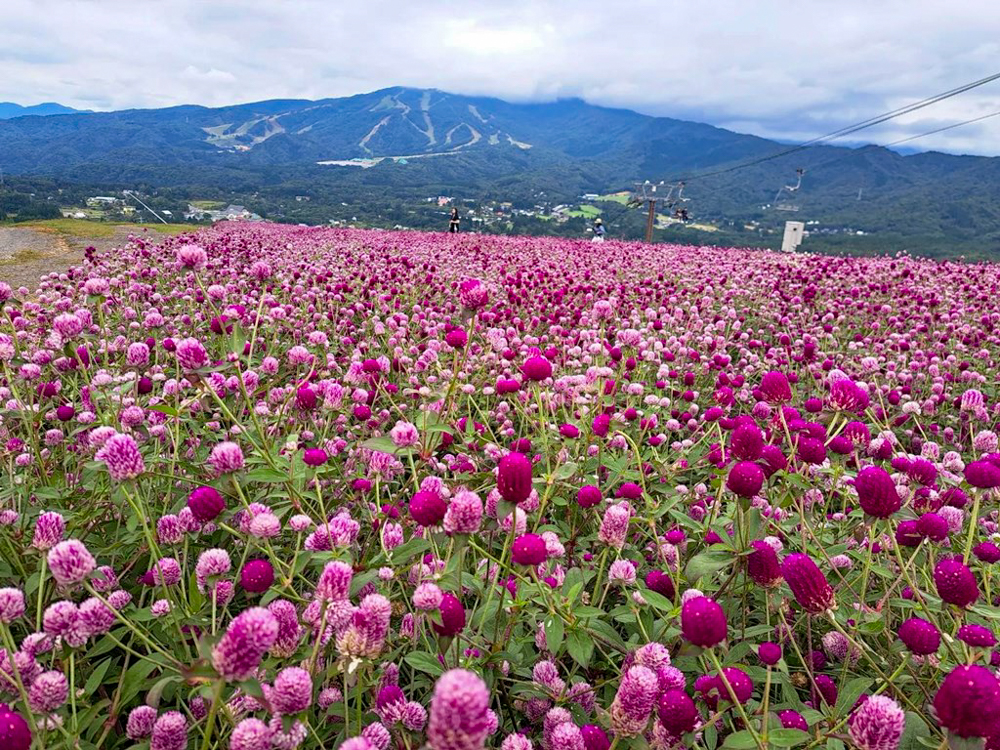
27, 253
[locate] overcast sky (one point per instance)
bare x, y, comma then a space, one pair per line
789, 69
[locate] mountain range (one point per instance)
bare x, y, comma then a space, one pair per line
9, 110
405, 142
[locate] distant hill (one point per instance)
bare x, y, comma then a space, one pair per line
9, 110
404, 143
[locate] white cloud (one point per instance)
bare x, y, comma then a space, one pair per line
769, 67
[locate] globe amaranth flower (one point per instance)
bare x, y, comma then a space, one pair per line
745, 479
678, 712
226, 458
464, 514
877, 724
808, 584
14, 731
48, 691
122, 457
49, 530
514, 477
206, 503
257, 576
70, 562
169, 732
775, 389
428, 508
452, 616
763, 566
703, 622
614, 525
529, 549
291, 692
459, 716
968, 701
634, 701
877, 493
251, 734
956, 583
536, 368
976, 635
237, 655
12, 604
140, 722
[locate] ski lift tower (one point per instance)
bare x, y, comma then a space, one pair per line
652, 194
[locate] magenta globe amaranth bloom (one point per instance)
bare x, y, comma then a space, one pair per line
956, 583
14, 731
588, 496
763, 566
877, 493
314, 457
968, 702
808, 584
514, 477
257, 576
452, 616
920, 636
536, 368
677, 711
529, 549
703, 622
745, 479
428, 508
775, 389
983, 474
460, 712
206, 503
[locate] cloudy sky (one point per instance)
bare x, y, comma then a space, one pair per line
789, 69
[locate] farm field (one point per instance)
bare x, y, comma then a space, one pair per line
276, 487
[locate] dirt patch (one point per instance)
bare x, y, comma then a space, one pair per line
27, 253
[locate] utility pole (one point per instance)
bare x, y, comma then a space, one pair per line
653, 194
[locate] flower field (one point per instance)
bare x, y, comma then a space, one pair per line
276, 487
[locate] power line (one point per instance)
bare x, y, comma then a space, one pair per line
850, 129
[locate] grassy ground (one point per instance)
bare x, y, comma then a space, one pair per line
84, 228
585, 211
621, 198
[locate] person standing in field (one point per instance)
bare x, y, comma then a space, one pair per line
455, 220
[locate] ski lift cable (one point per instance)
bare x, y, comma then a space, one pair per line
850, 129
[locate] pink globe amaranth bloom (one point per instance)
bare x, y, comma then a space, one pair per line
49, 530
877, 724
775, 389
956, 583
140, 722
529, 549
459, 717
291, 691
518, 742
191, 355
808, 584
464, 514
427, 596
48, 692
566, 736
122, 456
452, 616
536, 368
251, 734
257, 576
226, 458
357, 743
11, 605
763, 566
588, 496
473, 294
377, 735
634, 701
206, 503
614, 525
334, 582
212, 563
745, 479
678, 713
703, 622
514, 477
70, 562
968, 701
877, 493
166, 572
14, 731
983, 474
404, 434
428, 508
249, 636
192, 257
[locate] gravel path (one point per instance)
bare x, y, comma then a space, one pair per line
26, 254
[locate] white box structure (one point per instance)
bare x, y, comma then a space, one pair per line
794, 231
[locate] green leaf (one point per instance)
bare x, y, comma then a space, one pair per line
553, 633
381, 444
850, 694
565, 471
658, 601
915, 732
94, 681
252, 688
740, 741
164, 409
153, 696
424, 662
787, 737
706, 563
134, 678
265, 475
580, 646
